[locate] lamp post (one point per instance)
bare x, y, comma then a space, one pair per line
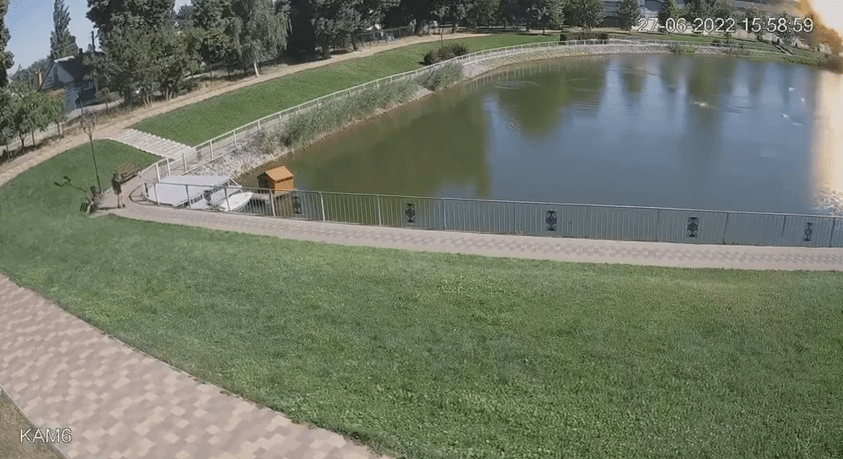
88, 123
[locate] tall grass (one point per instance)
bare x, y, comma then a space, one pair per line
678, 48
441, 78
305, 127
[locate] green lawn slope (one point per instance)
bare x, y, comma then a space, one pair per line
448, 356
205, 120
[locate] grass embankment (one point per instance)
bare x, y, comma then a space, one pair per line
205, 120
447, 356
12, 422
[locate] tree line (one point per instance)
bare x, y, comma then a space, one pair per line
147, 48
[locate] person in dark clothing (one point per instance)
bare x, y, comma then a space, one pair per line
118, 190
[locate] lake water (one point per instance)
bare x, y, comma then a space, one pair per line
655, 130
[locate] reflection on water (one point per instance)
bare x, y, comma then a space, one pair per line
828, 140
661, 130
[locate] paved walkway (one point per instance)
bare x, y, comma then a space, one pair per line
542, 248
153, 144
120, 403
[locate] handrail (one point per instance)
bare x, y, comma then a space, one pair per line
505, 201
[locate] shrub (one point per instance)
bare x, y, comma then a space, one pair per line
441, 77
603, 36
444, 53
677, 48
563, 37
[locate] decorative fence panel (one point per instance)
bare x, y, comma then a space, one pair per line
625, 223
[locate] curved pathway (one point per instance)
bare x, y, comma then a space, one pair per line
531, 247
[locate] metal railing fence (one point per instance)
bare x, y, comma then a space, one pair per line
590, 221
226, 143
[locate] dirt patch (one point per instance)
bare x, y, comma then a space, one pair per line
11, 423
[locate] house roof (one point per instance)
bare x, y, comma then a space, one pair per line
279, 173
64, 71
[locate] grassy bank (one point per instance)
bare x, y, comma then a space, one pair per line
446, 356
204, 120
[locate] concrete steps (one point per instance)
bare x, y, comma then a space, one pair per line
153, 144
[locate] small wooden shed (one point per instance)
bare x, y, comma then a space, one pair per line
278, 179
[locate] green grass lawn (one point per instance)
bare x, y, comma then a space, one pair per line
205, 120
447, 356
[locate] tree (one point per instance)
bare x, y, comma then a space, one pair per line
6, 57
630, 13
176, 60
259, 32
335, 21
62, 43
751, 15
110, 15
699, 8
55, 112
483, 12
785, 33
586, 13
544, 13
131, 62
6, 131
669, 10
210, 20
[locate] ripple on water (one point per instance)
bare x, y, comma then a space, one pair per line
514, 85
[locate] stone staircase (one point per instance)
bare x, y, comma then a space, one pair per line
153, 144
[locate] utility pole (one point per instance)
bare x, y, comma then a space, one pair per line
88, 123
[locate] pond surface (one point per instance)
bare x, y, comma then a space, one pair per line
655, 130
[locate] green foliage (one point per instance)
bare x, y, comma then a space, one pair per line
62, 43
149, 15
544, 13
259, 32
442, 77
630, 13
6, 57
444, 53
586, 13
785, 33
209, 24
669, 10
678, 48
334, 23
331, 115
699, 9
483, 13
563, 37
176, 60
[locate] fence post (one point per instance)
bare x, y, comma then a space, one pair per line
833, 226
235, 139
157, 172
184, 160
380, 219
227, 203
322, 202
211, 143
272, 203
187, 193
157, 199
658, 220
444, 216
725, 226
259, 125
168, 168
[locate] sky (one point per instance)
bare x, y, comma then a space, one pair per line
31, 21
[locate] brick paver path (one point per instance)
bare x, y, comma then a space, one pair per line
544, 248
120, 403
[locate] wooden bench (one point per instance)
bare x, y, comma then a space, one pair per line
127, 171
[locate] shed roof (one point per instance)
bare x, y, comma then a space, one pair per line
279, 173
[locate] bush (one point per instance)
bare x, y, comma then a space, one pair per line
444, 53
563, 37
682, 49
603, 36
441, 77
